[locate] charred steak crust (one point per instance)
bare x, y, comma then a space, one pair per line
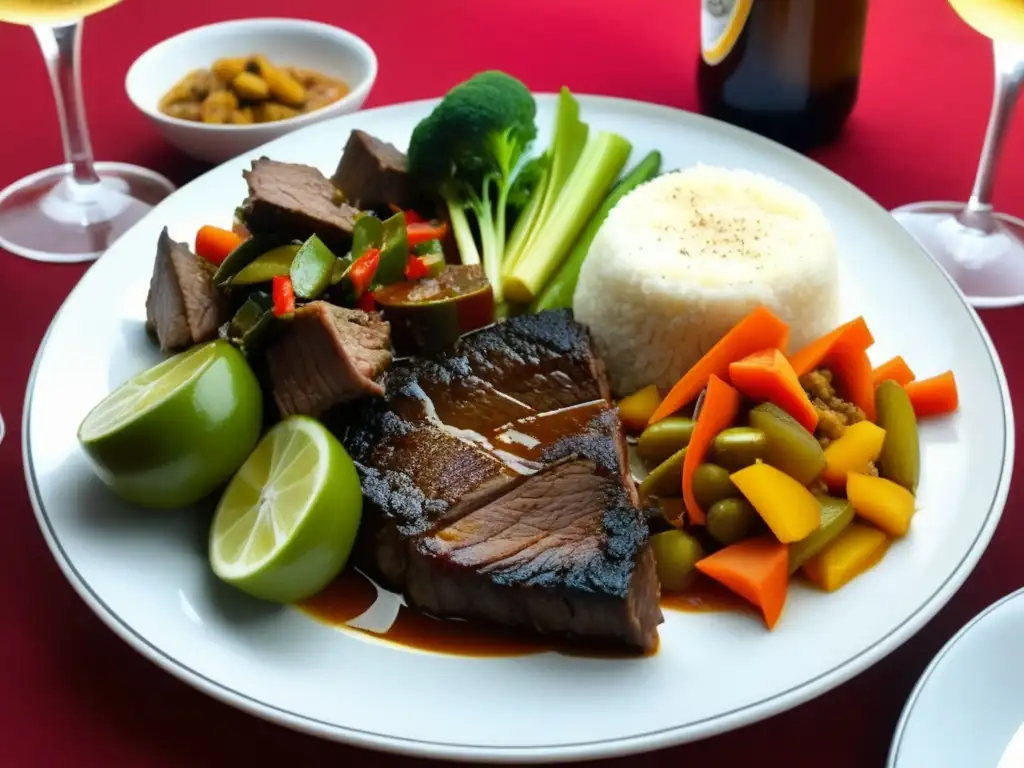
328, 355
296, 201
183, 306
373, 173
563, 551
551, 347
439, 487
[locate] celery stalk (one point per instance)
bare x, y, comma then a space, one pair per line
567, 143
594, 174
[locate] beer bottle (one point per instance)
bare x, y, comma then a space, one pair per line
787, 69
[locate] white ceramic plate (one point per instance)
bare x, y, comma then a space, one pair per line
146, 574
967, 708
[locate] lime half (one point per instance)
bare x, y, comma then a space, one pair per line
170, 435
287, 521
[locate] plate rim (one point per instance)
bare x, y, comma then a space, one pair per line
922, 682
580, 750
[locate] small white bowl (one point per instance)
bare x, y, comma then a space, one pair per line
290, 42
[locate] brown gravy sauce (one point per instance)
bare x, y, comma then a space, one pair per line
354, 602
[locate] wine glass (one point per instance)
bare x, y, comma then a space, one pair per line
981, 249
75, 211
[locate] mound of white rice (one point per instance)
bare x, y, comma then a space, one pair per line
684, 257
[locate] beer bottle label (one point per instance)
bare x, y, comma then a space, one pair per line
721, 22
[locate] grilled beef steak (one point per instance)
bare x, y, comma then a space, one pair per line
296, 201
564, 551
328, 355
183, 306
372, 173
511, 425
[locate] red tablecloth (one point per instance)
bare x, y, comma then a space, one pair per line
73, 694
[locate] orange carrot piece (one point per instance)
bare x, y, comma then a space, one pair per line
855, 333
720, 409
214, 244
761, 329
851, 371
756, 570
935, 396
768, 376
896, 370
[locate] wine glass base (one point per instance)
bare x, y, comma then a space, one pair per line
986, 263
49, 217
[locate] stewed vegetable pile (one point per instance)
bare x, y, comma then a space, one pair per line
766, 465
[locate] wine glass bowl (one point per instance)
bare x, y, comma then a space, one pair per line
294, 42
982, 250
76, 210
983, 254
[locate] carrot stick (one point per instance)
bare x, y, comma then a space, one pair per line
935, 396
896, 370
756, 570
852, 373
855, 333
759, 330
768, 376
721, 406
214, 244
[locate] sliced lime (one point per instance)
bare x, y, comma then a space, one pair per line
170, 435
288, 519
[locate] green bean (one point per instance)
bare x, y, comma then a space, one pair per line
788, 446
667, 478
900, 460
711, 483
738, 447
661, 440
731, 520
675, 555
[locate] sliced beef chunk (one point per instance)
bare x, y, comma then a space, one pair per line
328, 355
543, 360
564, 551
372, 173
296, 201
183, 306
496, 486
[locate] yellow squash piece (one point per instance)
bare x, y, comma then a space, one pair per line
881, 502
636, 410
854, 551
789, 509
859, 446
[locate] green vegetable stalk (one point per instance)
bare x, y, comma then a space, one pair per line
567, 144
468, 148
559, 290
593, 175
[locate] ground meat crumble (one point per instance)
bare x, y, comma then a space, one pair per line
834, 413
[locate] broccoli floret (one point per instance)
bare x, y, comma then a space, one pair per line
468, 148
530, 174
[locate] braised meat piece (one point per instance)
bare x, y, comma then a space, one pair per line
372, 173
328, 355
295, 201
183, 306
496, 486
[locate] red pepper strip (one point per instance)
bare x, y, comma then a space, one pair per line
421, 232
366, 302
416, 269
364, 269
283, 294
411, 217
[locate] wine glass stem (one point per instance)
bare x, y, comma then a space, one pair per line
1009, 67
62, 48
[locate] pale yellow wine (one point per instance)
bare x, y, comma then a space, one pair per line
998, 19
50, 11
